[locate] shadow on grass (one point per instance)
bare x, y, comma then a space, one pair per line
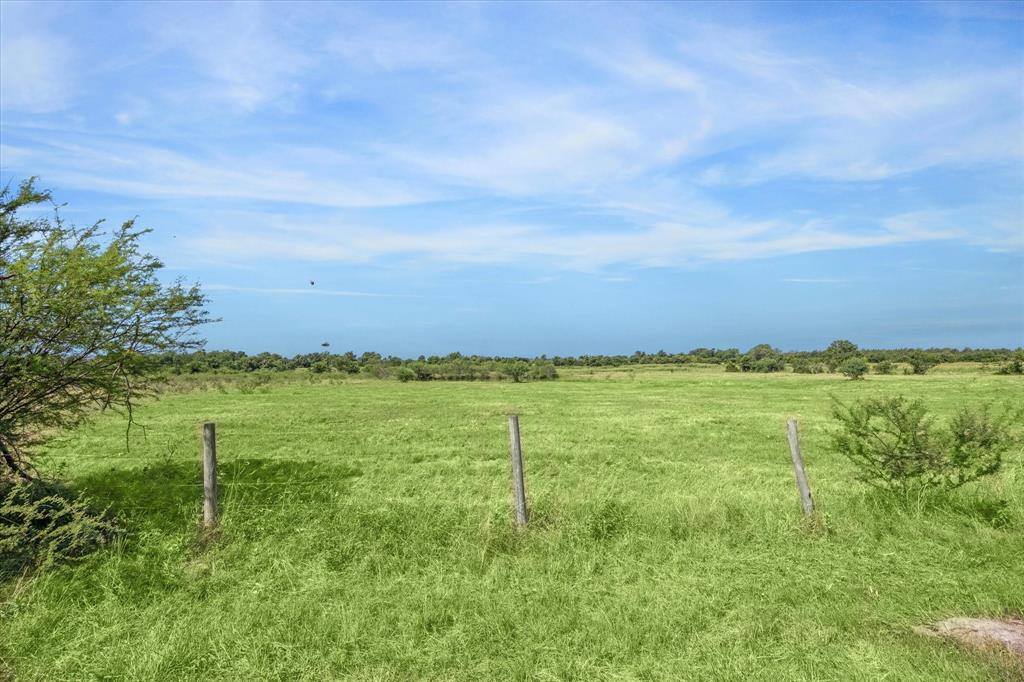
165, 495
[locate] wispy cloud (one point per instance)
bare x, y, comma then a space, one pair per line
37, 65
685, 136
312, 291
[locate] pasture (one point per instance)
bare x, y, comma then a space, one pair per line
367, 535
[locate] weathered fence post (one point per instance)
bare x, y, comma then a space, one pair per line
798, 469
209, 475
518, 484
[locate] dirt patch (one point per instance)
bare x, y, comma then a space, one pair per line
981, 633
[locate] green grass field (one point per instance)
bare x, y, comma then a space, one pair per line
367, 535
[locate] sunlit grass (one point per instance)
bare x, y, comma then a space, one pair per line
367, 535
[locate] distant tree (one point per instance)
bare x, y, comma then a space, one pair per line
763, 358
517, 371
920, 362
543, 370
855, 367
84, 321
761, 351
838, 351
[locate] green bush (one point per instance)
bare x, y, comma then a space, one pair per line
43, 523
884, 367
804, 366
517, 371
763, 358
765, 365
920, 364
405, 374
1014, 366
896, 445
855, 367
543, 371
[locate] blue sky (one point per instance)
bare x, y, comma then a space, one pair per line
544, 178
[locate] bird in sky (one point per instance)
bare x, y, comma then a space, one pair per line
311, 283
325, 344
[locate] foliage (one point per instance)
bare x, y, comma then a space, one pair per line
459, 367
920, 363
1015, 365
854, 367
763, 358
884, 367
82, 314
43, 523
543, 371
517, 371
805, 366
838, 352
405, 374
895, 443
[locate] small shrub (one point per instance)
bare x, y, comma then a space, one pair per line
1014, 366
253, 382
42, 524
765, 365
543, 371
731, 367
896, 445
854, 368
802, 366
884, 367
405, 374
319, 367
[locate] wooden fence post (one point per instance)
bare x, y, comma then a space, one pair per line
518, 484
209, 475
798, 469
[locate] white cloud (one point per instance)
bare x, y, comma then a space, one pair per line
275, 173
661, 245
633, 128
302, 292
37, 71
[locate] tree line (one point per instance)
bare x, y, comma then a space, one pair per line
458, 367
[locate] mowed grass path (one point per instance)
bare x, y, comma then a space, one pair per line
367, 536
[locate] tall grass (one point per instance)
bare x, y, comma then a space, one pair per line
367, 535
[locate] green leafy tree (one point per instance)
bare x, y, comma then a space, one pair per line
855, 367
517, 371
921, 363
838, 352
83, 319
763, 358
